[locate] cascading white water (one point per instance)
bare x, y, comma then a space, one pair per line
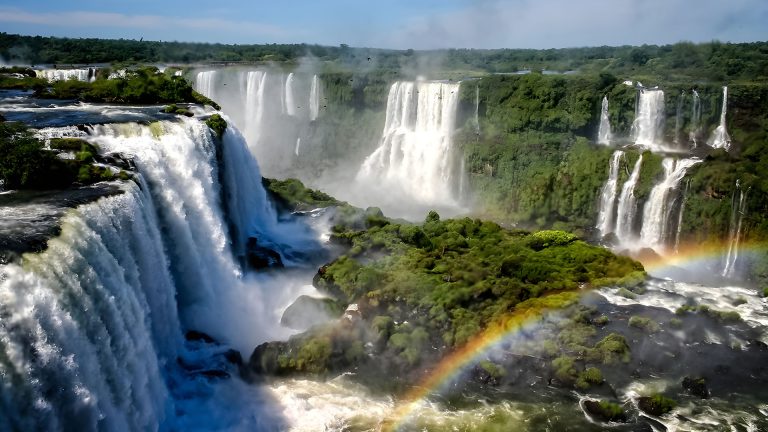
51, 75
254, 106
649, 118
604, 131
477, 110
290, 103
89, 324
627, 206
656, 230
314, 98
415, 155
605, 219
738, 210
205, 83
720, 137
695, 130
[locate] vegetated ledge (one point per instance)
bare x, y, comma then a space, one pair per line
142, 85
422, 291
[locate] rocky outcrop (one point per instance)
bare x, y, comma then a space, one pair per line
261, 257
308, 311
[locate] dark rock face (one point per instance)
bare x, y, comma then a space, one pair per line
696, 386
308, 311
260, 257
198, 336
263, 361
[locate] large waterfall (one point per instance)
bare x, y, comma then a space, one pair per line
720, 137
314, 99
290, 104
92, 326
416, 154
604, 131
656, 230
649, 119
605, 220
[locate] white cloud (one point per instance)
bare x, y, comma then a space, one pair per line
85, 19
568, 23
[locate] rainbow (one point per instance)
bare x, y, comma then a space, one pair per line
695, 253
525, 315
529, 313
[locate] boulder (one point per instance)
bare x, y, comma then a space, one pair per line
696, 386
656, 405
308, 311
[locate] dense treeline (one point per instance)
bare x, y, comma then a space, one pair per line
715, 61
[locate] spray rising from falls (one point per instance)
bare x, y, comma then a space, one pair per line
649, 118
665, 199
416, 151
738, 210
604, 131
605, 219
720, 137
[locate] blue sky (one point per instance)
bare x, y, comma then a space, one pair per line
418, 24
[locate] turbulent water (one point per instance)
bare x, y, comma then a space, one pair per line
416, 155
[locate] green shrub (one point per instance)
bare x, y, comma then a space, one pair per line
644, 324
217, 124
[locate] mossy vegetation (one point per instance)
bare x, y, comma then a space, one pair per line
294, 196
643, 323
441, 283
656, 404
25, 163
217, 124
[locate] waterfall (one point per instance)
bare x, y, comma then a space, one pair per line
477, 110
656, 230
605, 220
254, 106
738, 210
720, 137
627, 206
290, 104
679, 117
87, 74
416, 150
298, 146
695, 131
314, 99
91, 328
205, 83
604, 131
